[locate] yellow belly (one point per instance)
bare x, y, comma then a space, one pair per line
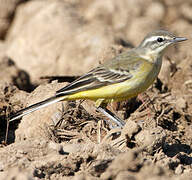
115, 92
140, 81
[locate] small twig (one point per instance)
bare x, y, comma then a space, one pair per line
7, 128
162, 112
99, 132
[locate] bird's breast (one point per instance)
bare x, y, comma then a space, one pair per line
141, 80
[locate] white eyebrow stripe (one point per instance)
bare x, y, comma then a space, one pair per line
151, 39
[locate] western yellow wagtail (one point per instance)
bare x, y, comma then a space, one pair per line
120, 78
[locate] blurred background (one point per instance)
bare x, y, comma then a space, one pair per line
69, 37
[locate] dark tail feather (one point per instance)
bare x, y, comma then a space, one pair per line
35, 107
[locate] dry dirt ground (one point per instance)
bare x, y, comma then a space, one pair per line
41, 41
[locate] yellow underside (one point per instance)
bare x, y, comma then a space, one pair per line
140, 81
115, 92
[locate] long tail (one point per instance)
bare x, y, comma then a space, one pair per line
35, 107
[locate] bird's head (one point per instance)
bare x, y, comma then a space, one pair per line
156, 42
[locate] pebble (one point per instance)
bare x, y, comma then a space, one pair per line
179, 169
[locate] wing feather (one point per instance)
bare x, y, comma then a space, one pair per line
96, 78
117, 70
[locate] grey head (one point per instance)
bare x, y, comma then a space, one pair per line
158, 41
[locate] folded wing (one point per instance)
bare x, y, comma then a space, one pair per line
98, 77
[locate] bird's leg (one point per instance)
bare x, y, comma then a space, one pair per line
120, 123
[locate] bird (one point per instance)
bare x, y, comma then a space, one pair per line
120, 78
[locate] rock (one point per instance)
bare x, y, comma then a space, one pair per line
125, 175
165, 73
181, 104
151, 139
186, 11
16, 173
1, 166
130, 128
10, 73
113, 12
179, 169
139, 28
61, 36
3, 48
7, 10
74, 148
156, 10
123, 162
35, 124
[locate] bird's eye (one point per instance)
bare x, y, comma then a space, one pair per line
159, 39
